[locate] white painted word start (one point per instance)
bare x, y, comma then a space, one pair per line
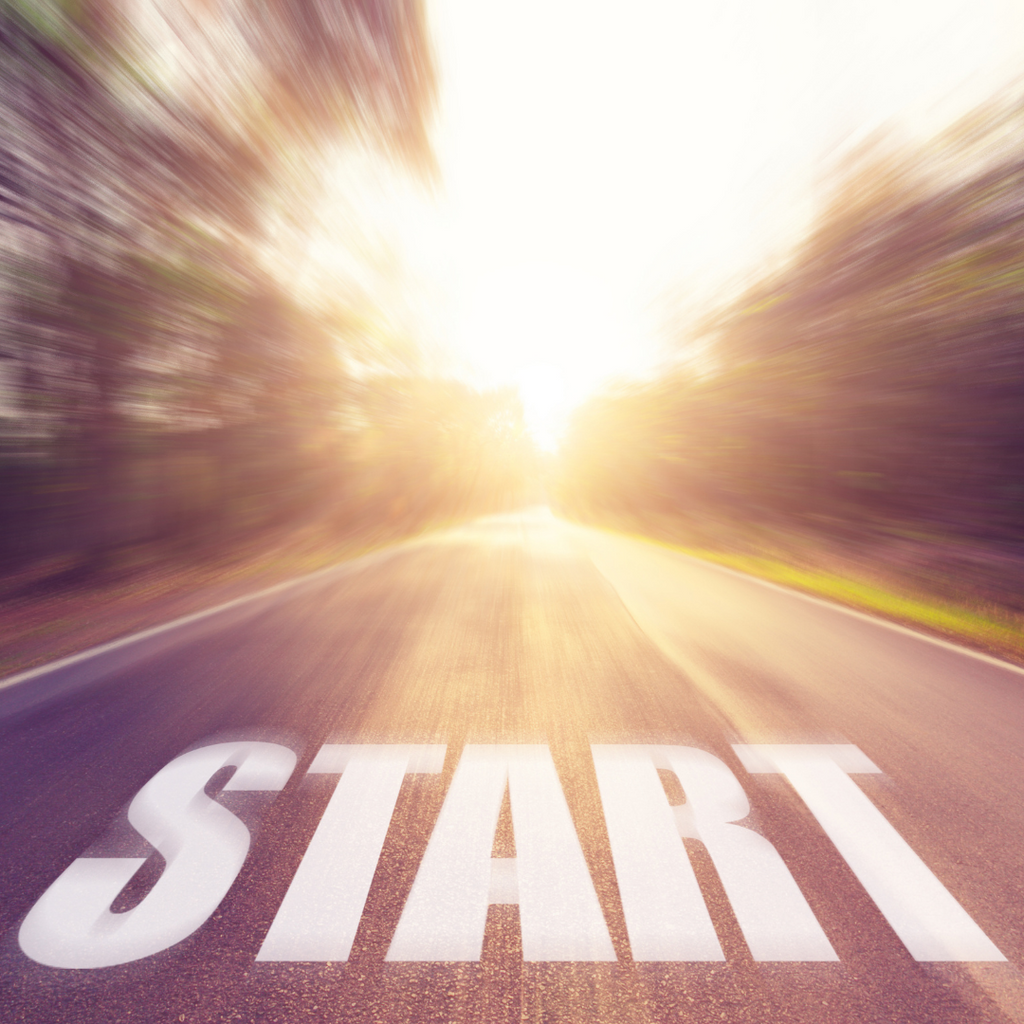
205, 845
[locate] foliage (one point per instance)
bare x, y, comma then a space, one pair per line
433, 449
139, 332
874, 379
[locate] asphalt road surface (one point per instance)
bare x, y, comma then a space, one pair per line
516, 771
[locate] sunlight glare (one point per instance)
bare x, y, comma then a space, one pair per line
552, 331
545, 409
598, 161
603, 175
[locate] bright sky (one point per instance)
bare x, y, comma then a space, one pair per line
605, 165
598, 156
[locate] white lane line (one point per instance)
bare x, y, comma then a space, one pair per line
113, 645
824, 602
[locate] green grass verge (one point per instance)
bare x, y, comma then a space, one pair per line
994, 631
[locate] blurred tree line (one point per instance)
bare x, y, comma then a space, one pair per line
439, 449
870, 383
156, 380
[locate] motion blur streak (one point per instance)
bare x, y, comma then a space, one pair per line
505, 632
160, 164
227, 346
866, 388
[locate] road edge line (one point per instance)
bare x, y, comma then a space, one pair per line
825, 602
165, 627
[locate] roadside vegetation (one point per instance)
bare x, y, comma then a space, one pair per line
182, 413
850, 420
184, 405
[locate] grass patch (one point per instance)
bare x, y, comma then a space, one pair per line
995, 631
986, 626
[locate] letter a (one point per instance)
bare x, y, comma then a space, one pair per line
559, 913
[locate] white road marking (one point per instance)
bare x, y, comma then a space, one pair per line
504, 886
931, 924
666, 916
342, 569
324, 903
823, 602
204, 846
445, 914
776, 920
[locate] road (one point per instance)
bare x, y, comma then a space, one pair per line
878, 876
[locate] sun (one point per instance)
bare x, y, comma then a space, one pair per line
549, 330
546, 406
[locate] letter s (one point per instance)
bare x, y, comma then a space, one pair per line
204, 846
